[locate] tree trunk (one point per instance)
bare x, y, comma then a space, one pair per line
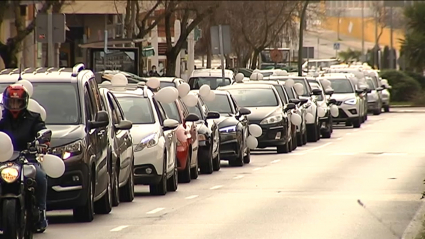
8, 54
301, 39
254, 61
171, 63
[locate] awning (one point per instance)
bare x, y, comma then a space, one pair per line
148, 51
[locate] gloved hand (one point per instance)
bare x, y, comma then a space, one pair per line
42, 148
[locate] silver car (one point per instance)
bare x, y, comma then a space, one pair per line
374, 100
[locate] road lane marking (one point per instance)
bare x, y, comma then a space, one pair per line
256, 169
216, 187
319, 147
155, 210
238, 177
192, 197
275, 161
117, 229
339, 138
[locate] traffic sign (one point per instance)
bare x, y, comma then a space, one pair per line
336, 46
58, 28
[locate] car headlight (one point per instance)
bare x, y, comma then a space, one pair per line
68, 150
351, 101
147, 142
272, 119
9, 175
229, 129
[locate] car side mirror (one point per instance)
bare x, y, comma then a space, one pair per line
213, 115
329, 92
289, 107
44, 135
191, 118
332, 101
170, 124
317, 92
380, 89
383, 86
124, 125
368, 91
358, 91
303, 101
102, 120
295, 101
244, 111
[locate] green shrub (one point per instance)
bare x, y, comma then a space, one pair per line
404, 87
418, 77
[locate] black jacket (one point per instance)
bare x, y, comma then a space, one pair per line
23, 129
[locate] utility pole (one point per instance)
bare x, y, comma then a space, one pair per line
301, 38
362, 57
391, 39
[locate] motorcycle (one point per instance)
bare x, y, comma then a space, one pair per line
18, 204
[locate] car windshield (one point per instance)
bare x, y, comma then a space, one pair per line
316, 86
291, 94
60, 100
302, 82
172, 111
137, 109
164, 84
266, 73
341, 86
221, 104
370, 84
254, 97
195, 110
214, 82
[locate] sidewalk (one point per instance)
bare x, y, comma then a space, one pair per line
351, 42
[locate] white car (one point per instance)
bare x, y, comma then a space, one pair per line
211, 77
374, 101
386, 95
154, 140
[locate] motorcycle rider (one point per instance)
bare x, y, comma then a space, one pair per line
22, 126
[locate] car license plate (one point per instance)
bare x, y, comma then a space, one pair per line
278, 134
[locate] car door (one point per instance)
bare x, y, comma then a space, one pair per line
102, 141
191, 131
243, 119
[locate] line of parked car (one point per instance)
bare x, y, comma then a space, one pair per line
114, 129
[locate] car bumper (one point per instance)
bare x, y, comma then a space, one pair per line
148, 165
230, 145
273, 135
346, 113
71, 189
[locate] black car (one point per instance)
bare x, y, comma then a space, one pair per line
268, 111
79, 121
208, 137
233, 127
121, 149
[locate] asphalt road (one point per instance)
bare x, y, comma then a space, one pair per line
312, 192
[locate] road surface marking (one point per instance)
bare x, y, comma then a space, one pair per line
155, 210
238, 177
216, 187
339, 138
256, 169
117, 229
275, 161
192, 197
321, 146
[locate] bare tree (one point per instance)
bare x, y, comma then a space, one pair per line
190, 14
13, 45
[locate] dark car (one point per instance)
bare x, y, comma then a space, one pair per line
208, 136
79, 121
233, 127
120, 149
267, 111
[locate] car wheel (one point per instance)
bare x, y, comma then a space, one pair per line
85, 213
184, 176
217, 160
194, 172
160, 188
305, 136
247, 157
239, 160
206, 166
115, 187
357, 123
386, 108
299, 139
311, 133
283, 148
172, 182
104, 204
377, 111
127, 191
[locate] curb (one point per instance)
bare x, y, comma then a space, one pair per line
415, 226
404, 106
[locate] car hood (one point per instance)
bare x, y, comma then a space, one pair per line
226, 120
65, 134
260, 113
140, 131
343, 97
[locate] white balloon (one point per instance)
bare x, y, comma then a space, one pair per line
106, 83
296, 119
6, 149
309, 118
313, 108
289, 82
153, 83
28, 86
210, 97
119, 80
190, 100
251, 142
181, 136
204, 91
34, 106
183, 89
166, 95
53, 165
326, 83
176, 92
239, 77
255, 130
334, 111
299, 88
43, 113
321, 111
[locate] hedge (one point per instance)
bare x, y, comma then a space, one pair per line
404, 87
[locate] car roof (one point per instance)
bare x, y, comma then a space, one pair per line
221, 92
246, 86
131, 90
271, 82
44, 74
212, 73
166, 79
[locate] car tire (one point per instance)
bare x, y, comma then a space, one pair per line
85, 213
104, 204
206, 166
184, 176
377, 111
239, 160
357, 123
115, 187
305, 136
299, 139
217, 160
172, 182
283, 148
160, 188
127, 191
312, 133
386, 108
247, 157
